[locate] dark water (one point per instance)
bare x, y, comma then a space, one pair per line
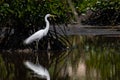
89, 58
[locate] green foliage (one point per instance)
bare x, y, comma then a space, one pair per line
102, 12
31, 11
83, 5
105, 4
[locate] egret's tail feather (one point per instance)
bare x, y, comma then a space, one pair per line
28, 41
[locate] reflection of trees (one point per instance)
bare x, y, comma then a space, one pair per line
74, 61
94, 58
3, 71
103, 56
15, 68
6, 70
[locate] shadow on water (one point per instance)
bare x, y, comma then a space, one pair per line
90, 58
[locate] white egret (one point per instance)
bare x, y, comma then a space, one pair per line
38, 69
41, 33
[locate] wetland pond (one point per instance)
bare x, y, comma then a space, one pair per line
89, 58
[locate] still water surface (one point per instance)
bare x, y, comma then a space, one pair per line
89, 58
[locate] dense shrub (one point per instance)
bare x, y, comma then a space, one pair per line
21, 18
104, 13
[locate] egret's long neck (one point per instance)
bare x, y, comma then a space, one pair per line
47, 24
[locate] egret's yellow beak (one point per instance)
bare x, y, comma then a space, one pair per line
53, 16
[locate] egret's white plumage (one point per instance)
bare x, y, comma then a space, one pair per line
38, 69
41, 33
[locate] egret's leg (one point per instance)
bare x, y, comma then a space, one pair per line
37, 58
37, 46
48, 52
48, 47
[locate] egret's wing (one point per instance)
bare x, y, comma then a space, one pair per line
38, 35
38, 69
